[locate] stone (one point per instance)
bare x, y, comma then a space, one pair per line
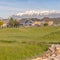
53, 53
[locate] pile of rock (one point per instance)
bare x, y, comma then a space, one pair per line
53, 53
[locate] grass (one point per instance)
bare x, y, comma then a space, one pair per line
23, 43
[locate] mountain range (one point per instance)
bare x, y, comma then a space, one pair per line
37, 14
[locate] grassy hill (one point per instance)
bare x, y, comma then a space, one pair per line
23, 43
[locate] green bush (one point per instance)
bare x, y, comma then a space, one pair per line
46, 24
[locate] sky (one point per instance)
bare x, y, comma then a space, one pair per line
11, 7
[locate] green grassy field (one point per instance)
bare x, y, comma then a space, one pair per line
24, 43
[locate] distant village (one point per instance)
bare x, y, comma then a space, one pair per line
27, 22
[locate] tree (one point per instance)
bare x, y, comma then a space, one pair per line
11, 22
46, 24
16, 23
1, 23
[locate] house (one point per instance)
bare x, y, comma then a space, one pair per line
36, 23
3, 23
6, 23
50, 23
47, 20
22, 23
26, 22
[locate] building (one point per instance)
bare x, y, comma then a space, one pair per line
36, 23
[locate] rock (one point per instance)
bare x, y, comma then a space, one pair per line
53, 53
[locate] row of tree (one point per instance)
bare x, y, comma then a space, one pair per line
13, 23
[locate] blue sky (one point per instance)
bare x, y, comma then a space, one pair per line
10, 7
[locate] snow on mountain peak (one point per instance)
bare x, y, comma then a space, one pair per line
38, 12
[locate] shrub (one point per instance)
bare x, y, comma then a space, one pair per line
46, 24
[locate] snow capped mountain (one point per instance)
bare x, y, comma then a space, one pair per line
41, 12
37, 14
